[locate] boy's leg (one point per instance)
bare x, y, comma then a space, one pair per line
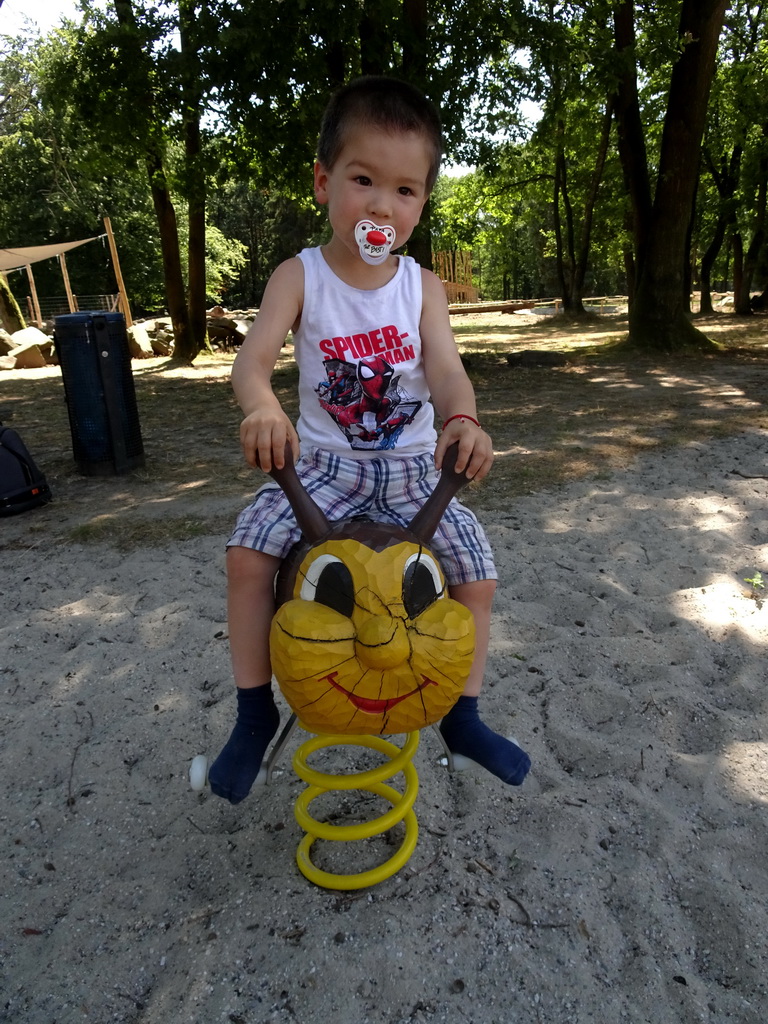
478, 597
250, 607
462, 728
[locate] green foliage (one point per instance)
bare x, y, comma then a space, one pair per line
82, 111
225, 259
736, 143
271, 225
55, 185
485, 214
67, 158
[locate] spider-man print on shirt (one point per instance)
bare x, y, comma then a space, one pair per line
366, 402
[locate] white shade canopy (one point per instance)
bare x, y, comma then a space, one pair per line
15, 259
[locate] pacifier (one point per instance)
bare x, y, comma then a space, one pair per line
373, 241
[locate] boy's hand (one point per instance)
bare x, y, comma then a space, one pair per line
263, 436
475, 454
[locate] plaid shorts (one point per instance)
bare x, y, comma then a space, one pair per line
387, 490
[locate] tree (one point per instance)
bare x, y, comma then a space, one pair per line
498, 216
142, 96
192, 91
10, 314
270, 225
662, 214
277, 98
57, 181
724, 170
734, 152
137, 48
570, 81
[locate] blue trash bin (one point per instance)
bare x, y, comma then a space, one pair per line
98, 386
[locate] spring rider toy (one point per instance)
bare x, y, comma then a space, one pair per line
365, 642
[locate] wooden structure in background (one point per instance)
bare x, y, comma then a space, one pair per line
510, 306
32, 298
23, 258
455, 271
125, 308
67, 285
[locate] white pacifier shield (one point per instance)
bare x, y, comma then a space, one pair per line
373, 241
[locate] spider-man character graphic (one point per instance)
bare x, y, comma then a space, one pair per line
366, 402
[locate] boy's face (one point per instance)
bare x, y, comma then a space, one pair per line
377, 176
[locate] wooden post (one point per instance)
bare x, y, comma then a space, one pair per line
67, 286
125, 309
35, 300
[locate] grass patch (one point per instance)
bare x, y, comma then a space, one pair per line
549, 424
129, 534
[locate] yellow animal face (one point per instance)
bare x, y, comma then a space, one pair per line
367, 640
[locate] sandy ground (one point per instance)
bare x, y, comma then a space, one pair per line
627, 880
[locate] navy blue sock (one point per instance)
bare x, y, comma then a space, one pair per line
235, 769
465, 733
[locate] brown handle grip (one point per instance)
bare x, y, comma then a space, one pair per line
309, 515
314, 525
425, 521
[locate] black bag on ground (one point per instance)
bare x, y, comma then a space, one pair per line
22, 485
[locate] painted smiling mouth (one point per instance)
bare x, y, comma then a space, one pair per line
368, 704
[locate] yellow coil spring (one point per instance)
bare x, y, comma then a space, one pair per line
372, 781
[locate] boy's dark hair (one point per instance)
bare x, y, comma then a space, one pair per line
380, 102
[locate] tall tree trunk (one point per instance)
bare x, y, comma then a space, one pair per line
631, 136
161, 196
196, 186
760, 302
582, 256
375, 39
742, 292
196, 283
726, 176
708, 261
688, 275
630, 272
573, 259
169, 249
566, 261
558, 185
657, 317
415, 49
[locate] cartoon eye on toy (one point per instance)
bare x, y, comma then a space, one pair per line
422, 583
365, 638
329, 582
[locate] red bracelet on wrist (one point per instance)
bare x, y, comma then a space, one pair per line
460, 416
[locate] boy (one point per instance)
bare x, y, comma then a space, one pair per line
373, 342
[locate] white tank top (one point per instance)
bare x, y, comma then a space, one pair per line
362, 387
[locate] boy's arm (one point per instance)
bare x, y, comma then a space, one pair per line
266, 428
451, 388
